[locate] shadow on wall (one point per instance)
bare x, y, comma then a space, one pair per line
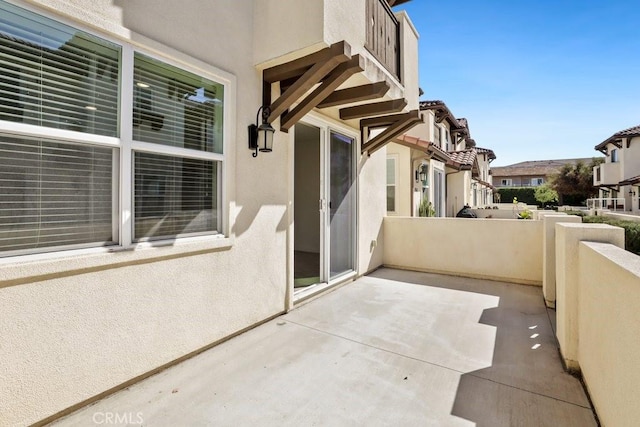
526, 383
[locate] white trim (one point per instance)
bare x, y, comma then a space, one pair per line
126, 157
169, 150
35, 131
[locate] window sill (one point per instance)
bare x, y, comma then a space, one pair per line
21, 270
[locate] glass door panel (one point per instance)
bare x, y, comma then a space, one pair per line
342, 205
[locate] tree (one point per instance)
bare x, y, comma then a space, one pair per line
545, 194
575, 181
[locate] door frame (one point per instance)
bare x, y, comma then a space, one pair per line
326, 126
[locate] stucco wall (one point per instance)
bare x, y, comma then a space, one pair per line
457, 194
77, 326
609, 325
505, 250
372, 204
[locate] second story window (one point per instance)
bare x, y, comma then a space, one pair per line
614, 155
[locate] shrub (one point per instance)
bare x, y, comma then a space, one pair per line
631, 230
522, 194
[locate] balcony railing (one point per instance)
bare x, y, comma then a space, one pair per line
611, 203
383, 35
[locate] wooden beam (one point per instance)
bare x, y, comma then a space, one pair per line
355, 94
400, 130
402, 123
441, 115
306, 82
381, 121
329, 84
299, 66
374, 109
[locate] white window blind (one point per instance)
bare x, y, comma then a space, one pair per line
56, 76
54, 194
174, 196
391, 184
175, 107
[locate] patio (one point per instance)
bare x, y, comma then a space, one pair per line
392, 348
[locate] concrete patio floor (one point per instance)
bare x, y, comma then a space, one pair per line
392, 348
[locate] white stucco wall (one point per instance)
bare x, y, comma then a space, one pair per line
505, 250
630, 158
372, 205
77, 326
458, 185
608, 331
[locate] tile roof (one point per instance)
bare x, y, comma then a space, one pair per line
441, 108
535, 167
464, 157
630, 181
490, 153
630, 132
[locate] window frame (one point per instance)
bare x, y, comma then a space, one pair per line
124, 145
394, 158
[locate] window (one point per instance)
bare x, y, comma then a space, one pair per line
436, 136
391, 184
175, 194
506, 182
614, 155
537, 181
63, 155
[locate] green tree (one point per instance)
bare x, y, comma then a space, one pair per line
544, 194
575, 182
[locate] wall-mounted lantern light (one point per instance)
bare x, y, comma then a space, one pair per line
423, 173
261, 136
632, 193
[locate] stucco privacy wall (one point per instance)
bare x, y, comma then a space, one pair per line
93, 322
608, 331
568, 237
550, 219
506, 250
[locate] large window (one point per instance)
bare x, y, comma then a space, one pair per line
72, 167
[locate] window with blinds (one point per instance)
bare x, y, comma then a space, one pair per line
55, 76
63, 190
173, 196
175, 107
54, 194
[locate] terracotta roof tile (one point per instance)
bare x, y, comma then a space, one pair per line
625, 133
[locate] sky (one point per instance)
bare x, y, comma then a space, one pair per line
537, 80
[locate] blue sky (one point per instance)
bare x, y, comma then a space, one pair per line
537, 80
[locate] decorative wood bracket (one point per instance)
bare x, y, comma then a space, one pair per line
374, 109
395, 125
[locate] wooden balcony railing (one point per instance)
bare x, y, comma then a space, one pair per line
383, 35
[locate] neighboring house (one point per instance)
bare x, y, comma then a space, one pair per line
438, 161
530, 173
618, 178
137, 225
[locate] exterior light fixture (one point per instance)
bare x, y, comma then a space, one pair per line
422, 175
632, 193
261, 136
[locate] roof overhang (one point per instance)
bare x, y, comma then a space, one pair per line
631, 181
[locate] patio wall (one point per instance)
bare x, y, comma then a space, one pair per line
609, 321
497, 249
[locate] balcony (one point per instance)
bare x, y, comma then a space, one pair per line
393, 348
607, 174
383, 37
287, 30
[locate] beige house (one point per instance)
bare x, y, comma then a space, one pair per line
531, 173
618, 178
143, 218
437, 161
